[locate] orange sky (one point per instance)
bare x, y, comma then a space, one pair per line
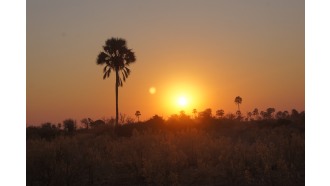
208, 51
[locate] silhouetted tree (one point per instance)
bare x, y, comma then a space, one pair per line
285, 114
294, 113
129, 120
296, 116
59, 126
279, 115
138, 114
110, 121
85, 121
183, 116
230, 116
255, 113
48, 131
206, 114
97, 123
220, 113
249, 115
122, 118
238, 100
270, 112
263, 114
173, 117
239, 115
156, 120
116, 57
195, 112
69, 126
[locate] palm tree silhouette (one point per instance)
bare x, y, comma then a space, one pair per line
116, 57
238, 100
255, 113
138, 114
194, 112
220, 113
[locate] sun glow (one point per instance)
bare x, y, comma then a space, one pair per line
182, 101
181, 96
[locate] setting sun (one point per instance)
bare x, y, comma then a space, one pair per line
167, 93
182, 101
182, 95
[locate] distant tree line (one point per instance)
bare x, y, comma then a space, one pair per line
201, 149
69, 127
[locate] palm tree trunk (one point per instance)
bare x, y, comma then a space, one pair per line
117, 81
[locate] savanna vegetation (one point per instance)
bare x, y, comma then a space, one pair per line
261, 148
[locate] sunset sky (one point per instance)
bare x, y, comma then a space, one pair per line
190, 54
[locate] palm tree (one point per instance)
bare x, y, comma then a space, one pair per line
220, 113
138, 114
194, 112
255, 113
249, 115
116, 57
238, 100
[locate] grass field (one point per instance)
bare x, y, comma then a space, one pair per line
210, 152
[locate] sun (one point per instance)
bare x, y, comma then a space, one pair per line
180, 96
152, 90
182, 101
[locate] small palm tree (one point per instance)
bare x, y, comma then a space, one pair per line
238, 100
220, 113
116, 57
249, 115
194, 112
255, 113
138, 114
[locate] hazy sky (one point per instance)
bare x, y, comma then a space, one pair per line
206, 51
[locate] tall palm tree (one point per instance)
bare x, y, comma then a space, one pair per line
116, 57
238, 100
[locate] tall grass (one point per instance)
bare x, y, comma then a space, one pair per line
227, 153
